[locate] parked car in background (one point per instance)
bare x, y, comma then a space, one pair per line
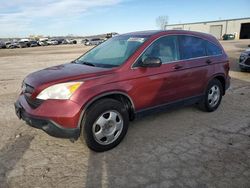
64, 41
52, 42
128, 76
42, 43
228, 37
2, 45
74, 41
110, 35
71, 41
33, 43
94, 41
244, 61
7, 43
12, 45
22, 44
59, 40
84, 41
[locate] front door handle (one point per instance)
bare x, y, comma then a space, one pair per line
208, 61
176, 67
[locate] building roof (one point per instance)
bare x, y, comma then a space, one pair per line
209, 21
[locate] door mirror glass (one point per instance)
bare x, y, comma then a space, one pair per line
164, 49
151, 62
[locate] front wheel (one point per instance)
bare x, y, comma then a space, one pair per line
105, 124
212, 97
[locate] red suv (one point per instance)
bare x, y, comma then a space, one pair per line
128, 76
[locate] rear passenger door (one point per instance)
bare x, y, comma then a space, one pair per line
193, 53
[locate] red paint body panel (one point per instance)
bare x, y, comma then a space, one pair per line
146, 87
63, 112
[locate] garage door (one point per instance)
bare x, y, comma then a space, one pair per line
245, 31
216, 30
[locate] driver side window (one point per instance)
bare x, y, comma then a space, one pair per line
166, 48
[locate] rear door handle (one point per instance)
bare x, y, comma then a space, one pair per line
208, 61
176, 67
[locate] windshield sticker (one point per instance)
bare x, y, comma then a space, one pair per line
136, 39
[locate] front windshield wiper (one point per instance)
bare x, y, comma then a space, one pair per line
88, 63
84, 63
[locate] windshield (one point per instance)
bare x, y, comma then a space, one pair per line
113, 52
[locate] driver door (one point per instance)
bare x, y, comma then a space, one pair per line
164, 84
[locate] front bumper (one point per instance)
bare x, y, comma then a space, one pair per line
47, 121
245, 64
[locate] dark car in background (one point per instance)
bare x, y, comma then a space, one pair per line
59, 40
33, 43
244, 61
228, 37
2, 45
84, 41
110, 35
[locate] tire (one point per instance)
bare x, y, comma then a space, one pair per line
212, 97
104, 125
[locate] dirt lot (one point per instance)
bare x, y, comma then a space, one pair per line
179, 148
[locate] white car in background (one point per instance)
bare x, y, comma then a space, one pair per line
52, 42
94, 41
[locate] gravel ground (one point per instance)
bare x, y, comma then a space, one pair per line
179, 148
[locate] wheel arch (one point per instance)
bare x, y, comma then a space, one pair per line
222, 80
123, 97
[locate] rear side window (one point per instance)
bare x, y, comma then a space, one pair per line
192, 47
213, 49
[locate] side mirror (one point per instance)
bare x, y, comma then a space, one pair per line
151, 62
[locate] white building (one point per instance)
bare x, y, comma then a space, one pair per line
240, 27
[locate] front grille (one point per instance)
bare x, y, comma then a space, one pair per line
27, 91
27, 88
247, 62
34, 103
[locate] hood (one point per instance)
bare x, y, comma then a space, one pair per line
63, 73
247, 51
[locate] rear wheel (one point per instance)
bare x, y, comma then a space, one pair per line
105, 124
213, 96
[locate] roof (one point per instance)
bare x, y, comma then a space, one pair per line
147, 33
209, 21
158, 33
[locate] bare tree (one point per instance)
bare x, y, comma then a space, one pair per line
161, 21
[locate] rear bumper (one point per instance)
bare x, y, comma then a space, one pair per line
47, 123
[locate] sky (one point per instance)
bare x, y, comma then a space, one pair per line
20, 18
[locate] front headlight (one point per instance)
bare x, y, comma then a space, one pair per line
59, 91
